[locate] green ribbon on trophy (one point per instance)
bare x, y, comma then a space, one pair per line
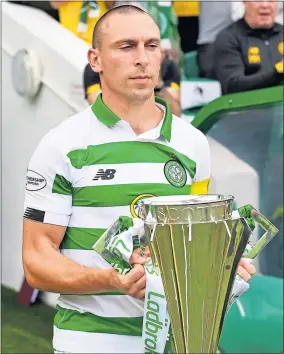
196, 243
156, 321
245, 212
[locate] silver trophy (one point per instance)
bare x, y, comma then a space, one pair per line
197, 245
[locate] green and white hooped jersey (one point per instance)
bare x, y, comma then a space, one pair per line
84, 174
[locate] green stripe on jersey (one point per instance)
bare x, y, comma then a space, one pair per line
122, 194
97, 294
129, 152
87, 322
61, 185
79, 238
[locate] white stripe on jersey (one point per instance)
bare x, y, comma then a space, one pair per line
87, 258
100, 305
126, 173
86, 342
103, 305
97, 217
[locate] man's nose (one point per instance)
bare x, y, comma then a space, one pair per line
265, 3
141, 57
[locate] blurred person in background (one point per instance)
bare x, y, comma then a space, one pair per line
187, 13
42, 5
238, 11
168, 87
214, 16
168, 25
249, 53
80, 17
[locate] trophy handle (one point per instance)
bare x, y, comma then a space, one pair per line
251, 214
253, 217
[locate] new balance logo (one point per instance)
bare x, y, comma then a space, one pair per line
104, 174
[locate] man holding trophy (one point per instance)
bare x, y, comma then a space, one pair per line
85, 182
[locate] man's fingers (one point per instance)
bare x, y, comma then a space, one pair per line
138, 287
137, 290
135, 274
140, 295
136, 257
128, 280
243, 273
250, 268
147, 252
134, 282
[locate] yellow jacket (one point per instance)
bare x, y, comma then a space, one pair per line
69, 14
186, 8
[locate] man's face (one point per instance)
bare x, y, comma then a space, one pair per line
261, 14
129, 56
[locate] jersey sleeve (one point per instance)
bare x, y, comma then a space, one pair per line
201, 180
48, 194
92, 81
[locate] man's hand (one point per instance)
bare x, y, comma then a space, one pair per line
245, 270
132, 283
137, 258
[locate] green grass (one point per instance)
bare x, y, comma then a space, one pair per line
25, 329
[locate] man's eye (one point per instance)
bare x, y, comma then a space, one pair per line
152, 45
126, 47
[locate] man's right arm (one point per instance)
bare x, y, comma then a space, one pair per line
48, 270
48, 206
230, 69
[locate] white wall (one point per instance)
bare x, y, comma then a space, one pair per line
63, 58
23, 125
230, 175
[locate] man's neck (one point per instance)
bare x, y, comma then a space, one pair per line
141, 116
251, 24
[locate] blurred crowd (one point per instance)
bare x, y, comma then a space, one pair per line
238, 43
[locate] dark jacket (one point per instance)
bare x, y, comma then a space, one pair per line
245, 58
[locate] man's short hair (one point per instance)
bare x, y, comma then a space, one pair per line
122, 9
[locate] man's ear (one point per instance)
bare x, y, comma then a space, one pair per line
94, 60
